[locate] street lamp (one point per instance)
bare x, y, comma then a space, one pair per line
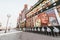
8, 16
0, 26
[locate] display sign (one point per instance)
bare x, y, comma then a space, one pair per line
58, 9
44, 19
52, 17
48, 18
36, 21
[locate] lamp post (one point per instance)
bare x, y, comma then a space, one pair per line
0, 26
8, 16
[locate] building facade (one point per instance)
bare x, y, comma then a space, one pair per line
22, 16
43, 13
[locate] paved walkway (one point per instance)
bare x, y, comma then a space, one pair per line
19, 35
11, 36
32, 36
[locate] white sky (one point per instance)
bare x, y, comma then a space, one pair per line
12, 7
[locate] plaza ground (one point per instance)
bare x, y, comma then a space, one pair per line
19, 35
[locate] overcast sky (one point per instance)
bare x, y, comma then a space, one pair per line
12, 7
